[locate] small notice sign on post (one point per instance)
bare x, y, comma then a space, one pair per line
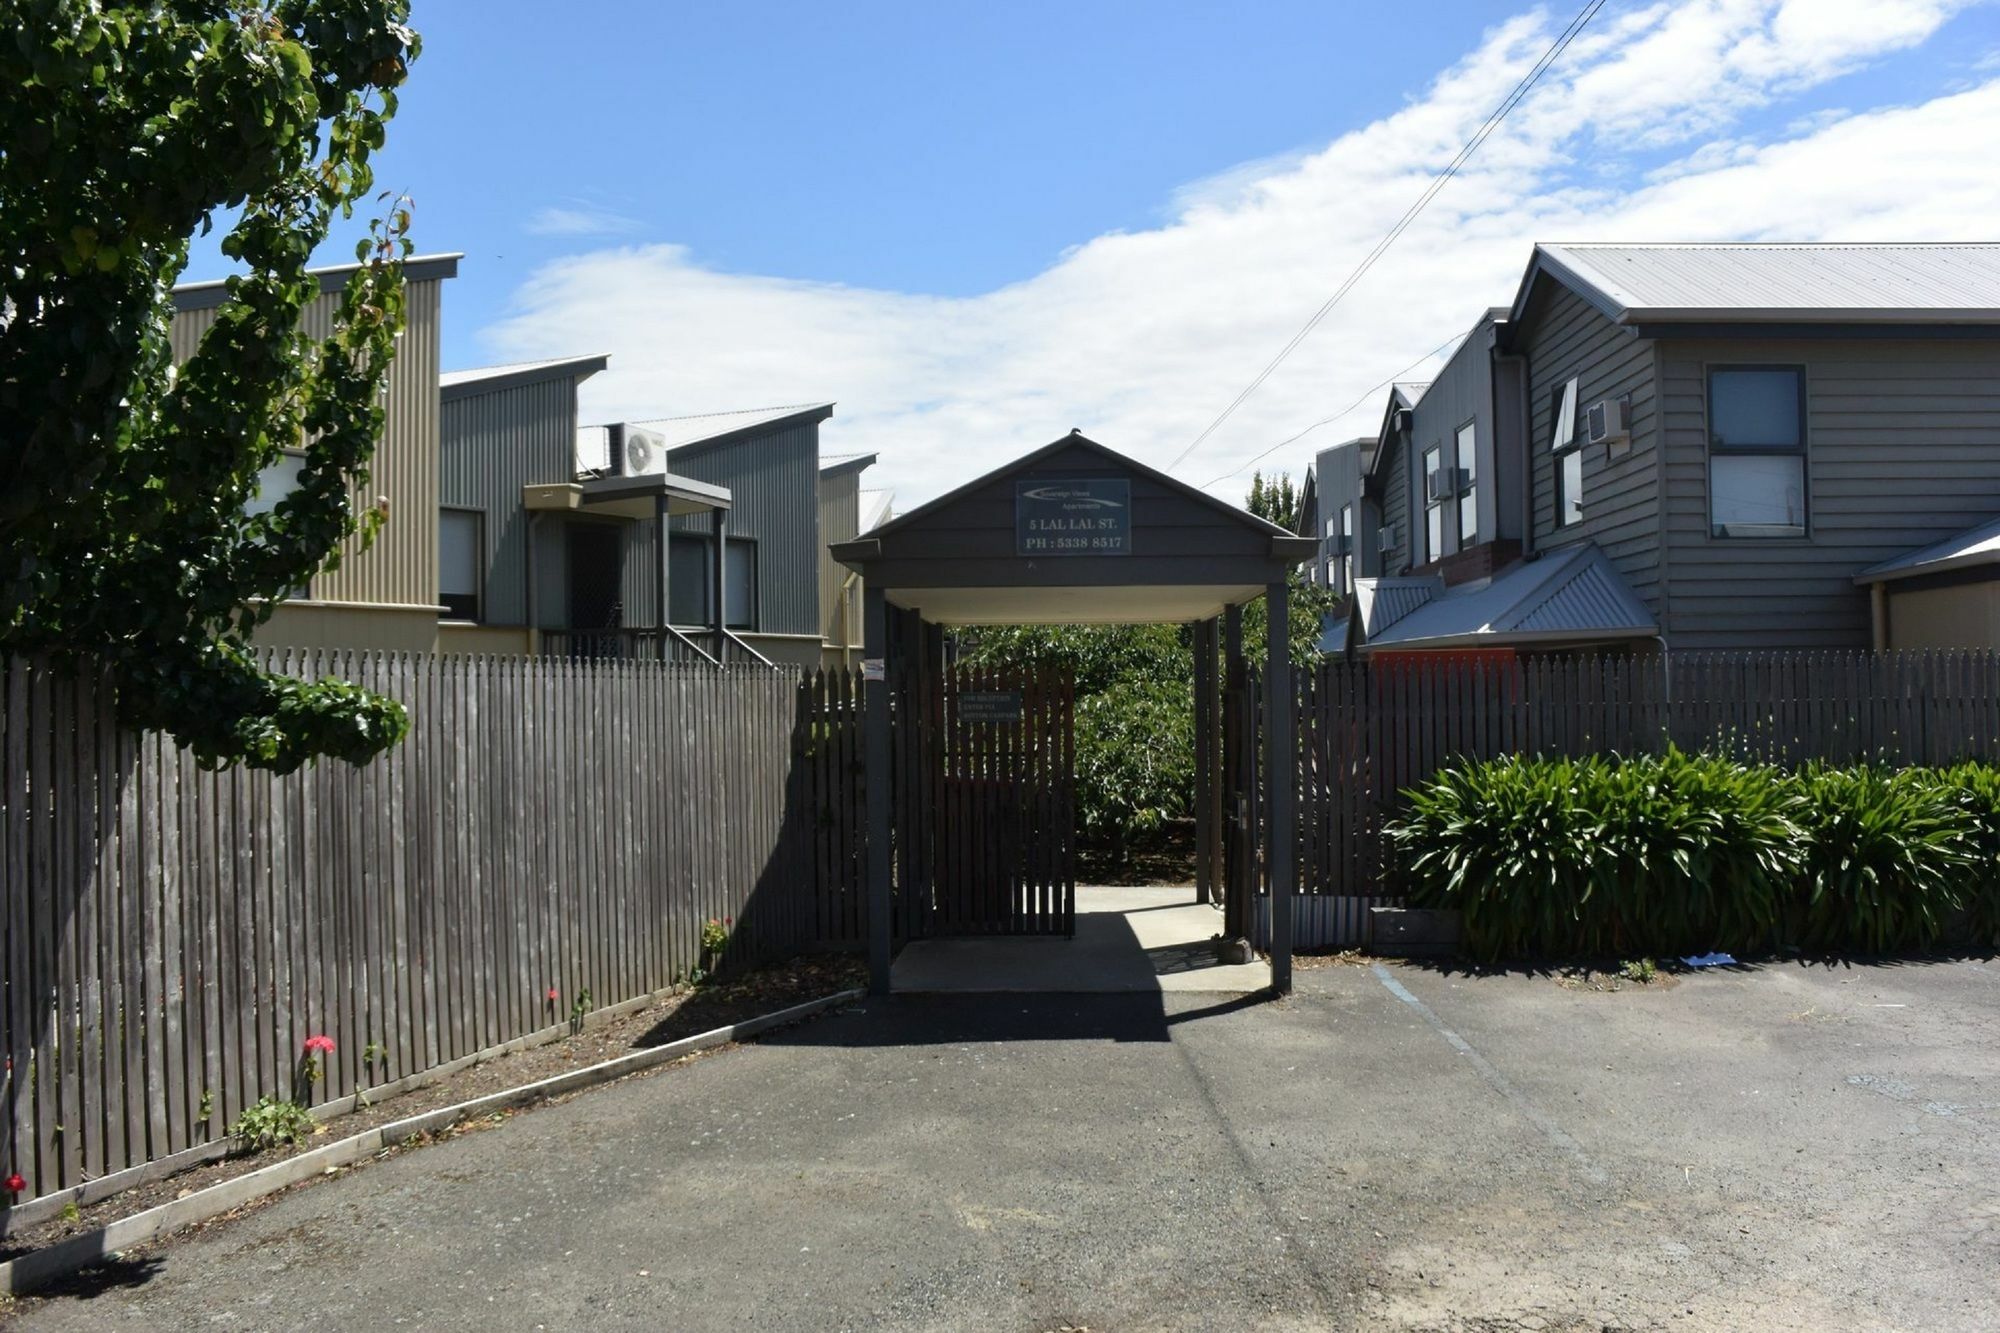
871, 669
989, 706
1073, 517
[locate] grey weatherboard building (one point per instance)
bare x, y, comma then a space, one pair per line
1742, 431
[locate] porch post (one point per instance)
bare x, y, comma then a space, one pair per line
1237, 858
1203, 647
1280, 778
661, 605
721, 525
875, 688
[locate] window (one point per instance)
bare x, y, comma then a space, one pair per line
740, 594
1568, 449
1343, 579
1434, 489
274, 483
461, 557
1468, 482
1757, 451
688, 579
691, 581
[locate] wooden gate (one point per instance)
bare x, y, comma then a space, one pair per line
987, 803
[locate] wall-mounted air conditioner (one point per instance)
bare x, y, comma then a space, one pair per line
636, 451
1338, 544
1607, 421
1388, 537
1440, 483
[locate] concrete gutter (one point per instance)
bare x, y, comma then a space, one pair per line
41, 1267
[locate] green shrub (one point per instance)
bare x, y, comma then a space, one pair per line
1885, 854
1975, 790
1673, 853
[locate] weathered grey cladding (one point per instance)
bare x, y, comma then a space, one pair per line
1461, 393
1903, 449
493, 444
1337, 483
773, 481
169, 936
1567, 339
1395, 467
970, 542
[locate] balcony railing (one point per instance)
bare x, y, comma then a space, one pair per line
640, 644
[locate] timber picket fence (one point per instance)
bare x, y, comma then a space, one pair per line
1368, 732
171, 935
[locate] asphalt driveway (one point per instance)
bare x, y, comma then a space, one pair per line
1787, 1147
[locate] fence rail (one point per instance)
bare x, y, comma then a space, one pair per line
171, 935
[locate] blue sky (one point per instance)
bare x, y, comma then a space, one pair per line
857, 170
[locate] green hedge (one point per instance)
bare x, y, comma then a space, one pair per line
1676, 853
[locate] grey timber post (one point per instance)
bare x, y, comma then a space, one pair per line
875, 622
721, 585
1280, 779
1235, 880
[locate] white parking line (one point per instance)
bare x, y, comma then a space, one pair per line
1553, 1132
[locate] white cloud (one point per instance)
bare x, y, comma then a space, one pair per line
1141, 337
579, 220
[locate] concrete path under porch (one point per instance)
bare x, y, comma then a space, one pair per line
1127, 940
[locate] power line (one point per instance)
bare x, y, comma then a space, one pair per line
1439, 350
1499, 114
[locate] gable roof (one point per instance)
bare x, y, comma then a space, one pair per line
1973, 547
1077, 439
1403, 395
833, 465
1932, 283
708, 429
455, 384
876, 507
1574, 595
213, 292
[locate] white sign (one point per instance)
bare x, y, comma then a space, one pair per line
871, 669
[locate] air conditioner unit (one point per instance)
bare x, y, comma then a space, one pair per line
1338, 544
1461, 480
1388, 537
1606, 421
1439, 483
636, 452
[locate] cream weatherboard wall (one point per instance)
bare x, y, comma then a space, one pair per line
384, 596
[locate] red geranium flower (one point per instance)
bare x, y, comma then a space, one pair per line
317, 1042
554, 994
15, 1184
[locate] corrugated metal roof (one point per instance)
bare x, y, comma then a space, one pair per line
521, 369
1918, 283
831, 463
1977, 546
1571, 596
1383, 602
683, 431
876, 507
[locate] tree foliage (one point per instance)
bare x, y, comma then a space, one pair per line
127, 538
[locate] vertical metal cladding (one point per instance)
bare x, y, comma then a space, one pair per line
839, 521
493, 444
773, 479
400, 567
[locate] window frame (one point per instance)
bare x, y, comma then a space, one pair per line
478, 616
1801, 451
1471, 490
1433, 549
756, 600
1346, 581
1568, 391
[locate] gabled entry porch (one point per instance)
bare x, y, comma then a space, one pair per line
1073, 533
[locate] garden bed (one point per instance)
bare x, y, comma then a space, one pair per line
683, 1014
